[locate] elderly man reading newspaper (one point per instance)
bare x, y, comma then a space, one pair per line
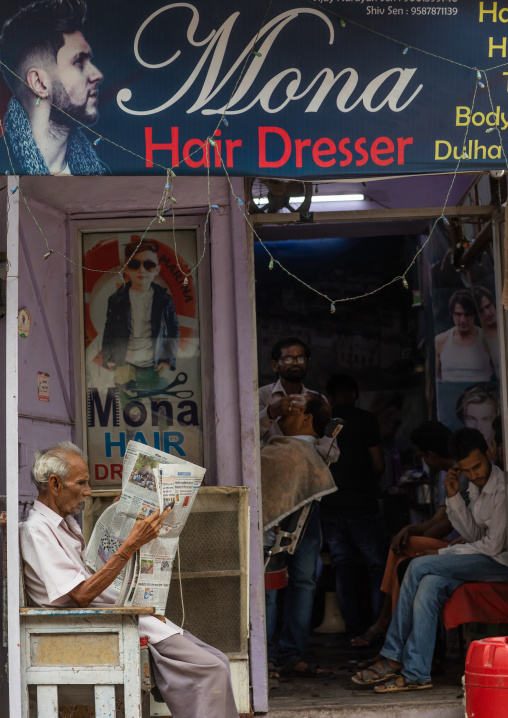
193, 678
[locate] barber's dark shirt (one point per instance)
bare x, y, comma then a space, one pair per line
353, 474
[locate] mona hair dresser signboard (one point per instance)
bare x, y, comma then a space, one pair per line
316, 88
142, 349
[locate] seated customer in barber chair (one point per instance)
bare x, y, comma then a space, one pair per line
293, 475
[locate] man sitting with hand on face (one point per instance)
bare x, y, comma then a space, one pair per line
430, 580
193, 678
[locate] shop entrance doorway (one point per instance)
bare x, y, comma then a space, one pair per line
385, 340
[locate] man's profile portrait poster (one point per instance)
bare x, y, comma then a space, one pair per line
50, 90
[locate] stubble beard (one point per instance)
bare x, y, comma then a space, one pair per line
65, 113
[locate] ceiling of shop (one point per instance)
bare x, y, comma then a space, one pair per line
130, 195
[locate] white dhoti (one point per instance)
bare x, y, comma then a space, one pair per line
193, 678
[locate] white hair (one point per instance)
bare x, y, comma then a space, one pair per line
54, 460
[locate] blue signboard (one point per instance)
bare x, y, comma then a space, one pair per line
287, 88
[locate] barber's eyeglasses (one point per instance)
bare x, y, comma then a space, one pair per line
289, 359
147, 264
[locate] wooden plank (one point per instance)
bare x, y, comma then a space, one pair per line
132, 678
244, 539
374, 215
211, 574
482, 239
11, 457
105, 705
47, 702
114, 610
75, 649
69, 676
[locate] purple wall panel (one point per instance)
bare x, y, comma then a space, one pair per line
43, 290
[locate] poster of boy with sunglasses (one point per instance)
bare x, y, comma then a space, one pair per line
141, 335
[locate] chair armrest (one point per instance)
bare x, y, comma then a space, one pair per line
114, 610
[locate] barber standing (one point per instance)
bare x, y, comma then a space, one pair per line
290, 360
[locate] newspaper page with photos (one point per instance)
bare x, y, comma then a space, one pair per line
151, 480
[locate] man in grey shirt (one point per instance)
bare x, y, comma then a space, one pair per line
431, 579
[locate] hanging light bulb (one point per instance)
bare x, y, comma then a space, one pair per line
332, 308
405, 50
186, 282
48, 254
270, 264
404, 283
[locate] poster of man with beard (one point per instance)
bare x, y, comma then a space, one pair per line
47, 63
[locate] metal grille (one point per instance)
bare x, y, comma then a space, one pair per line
210, 542
212, 610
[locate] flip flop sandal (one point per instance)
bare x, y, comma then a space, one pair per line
392, 687
387, 671
374, 639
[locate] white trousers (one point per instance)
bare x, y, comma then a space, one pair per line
193, 678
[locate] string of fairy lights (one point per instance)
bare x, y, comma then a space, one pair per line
166, 205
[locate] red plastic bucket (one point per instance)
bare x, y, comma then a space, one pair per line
487, 678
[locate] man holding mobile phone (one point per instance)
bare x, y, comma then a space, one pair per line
430, 580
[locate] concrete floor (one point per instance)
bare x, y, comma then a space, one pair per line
333, 695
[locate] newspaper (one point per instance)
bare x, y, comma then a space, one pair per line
151, 480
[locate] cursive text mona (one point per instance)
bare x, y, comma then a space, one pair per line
387, 88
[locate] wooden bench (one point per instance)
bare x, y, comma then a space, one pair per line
81, 646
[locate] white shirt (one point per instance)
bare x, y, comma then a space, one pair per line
270, 427
66, 171
140, 345
483, 523
52, 548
